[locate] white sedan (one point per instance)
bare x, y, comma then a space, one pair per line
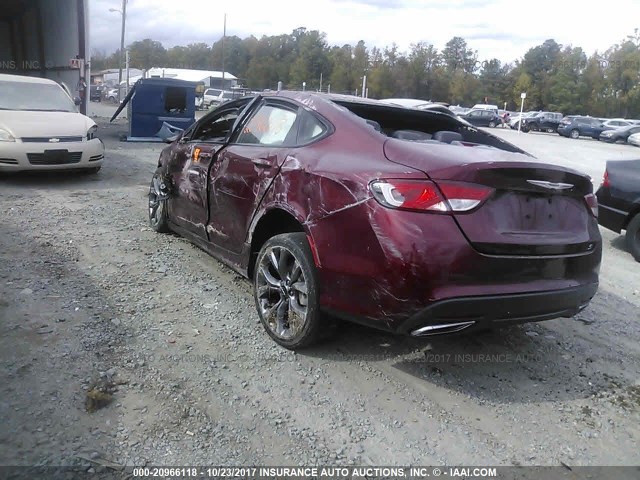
41, 129
634, 139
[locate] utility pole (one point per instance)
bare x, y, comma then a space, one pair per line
224, 34
126, 88
122, 54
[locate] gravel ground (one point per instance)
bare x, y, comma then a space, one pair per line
91, 298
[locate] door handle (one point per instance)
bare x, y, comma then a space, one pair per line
261, 162
205, 155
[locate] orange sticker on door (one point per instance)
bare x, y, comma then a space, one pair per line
196, 155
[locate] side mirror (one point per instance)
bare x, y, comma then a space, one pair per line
77, 101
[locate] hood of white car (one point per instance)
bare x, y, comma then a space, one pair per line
44, 124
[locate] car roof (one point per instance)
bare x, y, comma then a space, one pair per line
24, 79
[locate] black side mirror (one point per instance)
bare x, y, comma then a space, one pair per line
77, 100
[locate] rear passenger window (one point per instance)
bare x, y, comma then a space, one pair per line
310, 128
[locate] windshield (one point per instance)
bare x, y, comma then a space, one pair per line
34, 97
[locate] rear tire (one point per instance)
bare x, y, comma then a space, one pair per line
574, 134
286, 292
633, 237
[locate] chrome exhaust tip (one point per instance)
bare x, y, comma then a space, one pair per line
441, 328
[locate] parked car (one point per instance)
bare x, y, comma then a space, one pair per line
112, 95
634, 139
417, 103
211, 97
515, 120
619, 201
542, 122
575, 126
616, 123
456, 229
482, 118
486, 106
458, 110
41, 129
619, 134
95, 93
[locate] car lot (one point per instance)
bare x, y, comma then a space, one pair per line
87, 288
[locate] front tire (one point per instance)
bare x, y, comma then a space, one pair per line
574, 134
633, 237
492, 124
158, 218
286, 291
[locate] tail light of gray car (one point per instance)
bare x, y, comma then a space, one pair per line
592, 202
425, 195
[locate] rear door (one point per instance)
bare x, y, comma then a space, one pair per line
245, 169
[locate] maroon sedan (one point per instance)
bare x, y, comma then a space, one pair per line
408, 220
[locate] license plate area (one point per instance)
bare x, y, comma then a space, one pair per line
56, 157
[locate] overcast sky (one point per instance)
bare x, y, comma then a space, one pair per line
504, 29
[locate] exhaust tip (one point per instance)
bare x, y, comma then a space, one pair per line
441, 329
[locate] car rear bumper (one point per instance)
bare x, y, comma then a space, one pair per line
421, 268
465, 313
18, 156
611, 218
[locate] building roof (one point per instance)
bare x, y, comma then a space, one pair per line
187, 74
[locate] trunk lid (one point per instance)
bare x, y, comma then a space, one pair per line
535, 209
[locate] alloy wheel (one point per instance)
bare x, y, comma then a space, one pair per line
282, 292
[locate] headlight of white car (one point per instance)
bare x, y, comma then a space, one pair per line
91, 133
6, 136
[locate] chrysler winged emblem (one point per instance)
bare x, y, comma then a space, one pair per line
550, 185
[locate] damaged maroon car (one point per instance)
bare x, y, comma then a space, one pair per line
407, 220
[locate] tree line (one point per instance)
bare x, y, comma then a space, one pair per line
555, 77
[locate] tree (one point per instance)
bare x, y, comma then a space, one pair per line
522, 85
146, 54
458, 56
493, 79
423, 62
341, 66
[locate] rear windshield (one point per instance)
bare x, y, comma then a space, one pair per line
410, 123
39, 97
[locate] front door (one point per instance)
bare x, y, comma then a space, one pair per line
189, 170
245, 169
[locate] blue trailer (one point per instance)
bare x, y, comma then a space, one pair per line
158, 108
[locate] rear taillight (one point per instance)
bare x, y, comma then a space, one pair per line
605, 179
463, 197
592, 202
425, 195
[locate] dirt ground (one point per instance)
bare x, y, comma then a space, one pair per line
90, 296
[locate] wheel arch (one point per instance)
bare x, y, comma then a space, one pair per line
272, 221
635, 210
